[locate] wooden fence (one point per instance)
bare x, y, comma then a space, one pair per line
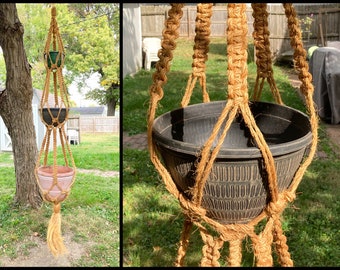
325, 24
98, 124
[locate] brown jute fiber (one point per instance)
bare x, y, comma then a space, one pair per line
55, 130
54, 239
237, 103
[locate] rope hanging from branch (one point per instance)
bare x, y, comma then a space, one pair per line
237, 104
55, 180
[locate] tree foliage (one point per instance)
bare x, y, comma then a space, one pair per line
90, 34
16, 106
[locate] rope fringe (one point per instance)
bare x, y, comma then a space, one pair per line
54, 239
54, 123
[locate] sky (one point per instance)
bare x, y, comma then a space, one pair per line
79, 98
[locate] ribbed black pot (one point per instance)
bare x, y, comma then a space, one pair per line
54, 116
236, 190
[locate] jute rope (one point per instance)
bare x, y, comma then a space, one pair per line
56, 129
263, 53
201, 49
237, 103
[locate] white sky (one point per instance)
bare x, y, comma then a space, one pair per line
79, 98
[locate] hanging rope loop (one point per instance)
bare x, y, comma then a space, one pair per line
54, 180
200, 56
237, 106
263, 53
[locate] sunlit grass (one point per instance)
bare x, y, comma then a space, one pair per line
153, 218
90, 212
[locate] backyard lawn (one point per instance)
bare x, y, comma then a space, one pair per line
152, 218
89, 215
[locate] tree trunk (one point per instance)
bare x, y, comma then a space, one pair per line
16, 107
111, 107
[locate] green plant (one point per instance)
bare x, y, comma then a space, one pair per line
306, 26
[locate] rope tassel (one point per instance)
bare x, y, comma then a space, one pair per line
55, 179
54, 239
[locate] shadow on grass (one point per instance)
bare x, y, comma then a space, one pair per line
313, 224
153, 221
218, 48
136, 93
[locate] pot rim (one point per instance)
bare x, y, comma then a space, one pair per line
230, 153
62, 171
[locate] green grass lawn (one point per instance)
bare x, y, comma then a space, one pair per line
152, 220
90, 213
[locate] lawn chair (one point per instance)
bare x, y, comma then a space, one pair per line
150, 48
73, 136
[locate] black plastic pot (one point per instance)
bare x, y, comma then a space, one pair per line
54, 116
236, 190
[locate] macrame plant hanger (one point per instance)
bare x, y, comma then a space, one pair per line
55, 172
237, 104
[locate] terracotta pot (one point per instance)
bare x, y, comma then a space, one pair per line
64, 177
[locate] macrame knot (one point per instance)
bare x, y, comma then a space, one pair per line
275, 208
239, 97
54, 11
198, 72
56, 208
289, 196
194, 213
233, 232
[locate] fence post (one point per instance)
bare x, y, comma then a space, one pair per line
188, 21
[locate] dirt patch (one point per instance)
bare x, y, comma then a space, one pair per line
333, 132
41, 256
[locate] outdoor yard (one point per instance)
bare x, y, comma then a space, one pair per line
152, 218
89, 215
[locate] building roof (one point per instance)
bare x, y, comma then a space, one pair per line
87, 110
38, 93
50, 99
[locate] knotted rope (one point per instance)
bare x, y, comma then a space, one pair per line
237, 103
263, 53
54, 120
201, 49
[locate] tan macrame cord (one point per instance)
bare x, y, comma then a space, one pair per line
201, 49
263, 53
56, 129
237, 103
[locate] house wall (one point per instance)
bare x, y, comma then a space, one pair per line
40, 128
132, 39
5, 141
